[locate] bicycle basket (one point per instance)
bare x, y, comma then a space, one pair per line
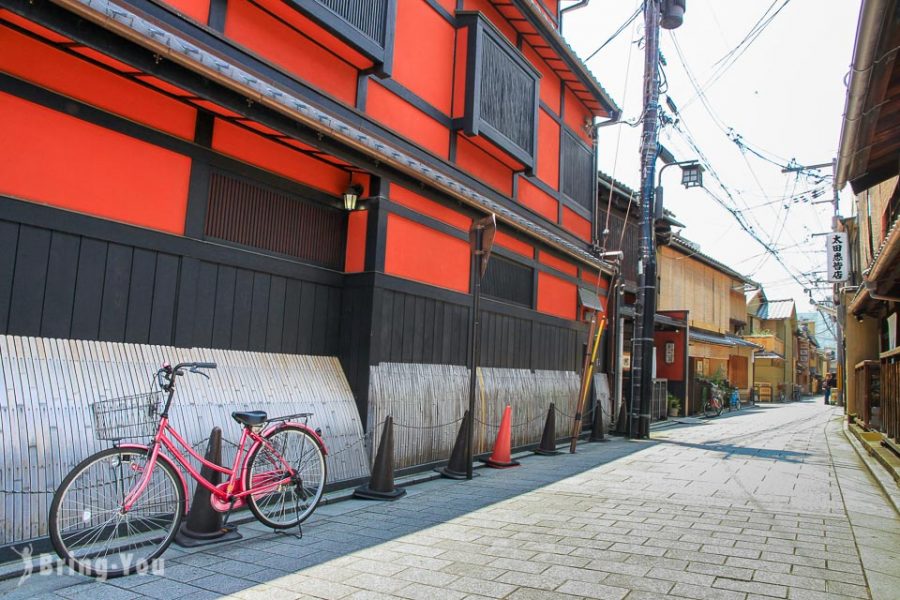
127, 417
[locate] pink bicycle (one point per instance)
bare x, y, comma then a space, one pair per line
118, 510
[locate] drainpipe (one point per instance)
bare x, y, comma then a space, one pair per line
596, 126
576, 6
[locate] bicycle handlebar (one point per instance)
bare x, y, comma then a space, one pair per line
193, 365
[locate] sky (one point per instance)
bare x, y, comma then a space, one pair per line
781, 96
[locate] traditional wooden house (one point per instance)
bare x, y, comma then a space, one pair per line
773, 325
868, 299
299, 179
706, 299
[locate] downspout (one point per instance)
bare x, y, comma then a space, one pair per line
871, 18
576, 6
595, 184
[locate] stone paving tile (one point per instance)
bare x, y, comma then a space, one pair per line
702, 592
593, 590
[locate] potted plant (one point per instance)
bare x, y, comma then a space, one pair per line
674, 405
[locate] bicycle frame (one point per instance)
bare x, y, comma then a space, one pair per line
225, 496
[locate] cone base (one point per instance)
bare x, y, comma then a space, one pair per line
545, 452
450, 473
500, 465
191, 539
367, 493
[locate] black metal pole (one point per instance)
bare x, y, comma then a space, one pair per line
645, 307
474, 345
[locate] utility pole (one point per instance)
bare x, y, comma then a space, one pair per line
645, 306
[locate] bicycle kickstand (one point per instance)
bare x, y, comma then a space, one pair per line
228, 514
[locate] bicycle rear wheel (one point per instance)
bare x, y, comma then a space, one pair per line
90, 531
287, 504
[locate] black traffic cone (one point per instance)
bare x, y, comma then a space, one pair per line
203, 524
381, 483
456, 468
548, 440
597, 433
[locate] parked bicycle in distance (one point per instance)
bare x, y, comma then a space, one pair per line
119, 509
712, 403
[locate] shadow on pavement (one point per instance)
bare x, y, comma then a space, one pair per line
263, 558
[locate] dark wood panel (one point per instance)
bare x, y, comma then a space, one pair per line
224, 310
140, 297
28, 281
291, 316
114, 309
203, 322
89, 289
259, 311
275, 320
165, 296
62, 284
9, 240
59, 294
243, 304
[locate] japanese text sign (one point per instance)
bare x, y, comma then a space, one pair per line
838, 256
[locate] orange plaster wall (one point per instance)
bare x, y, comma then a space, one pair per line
558, 264
54, 158
511, 243
255, 150
548, 150
397, 114
577, 224
535, 199
576, 116
423, 205
483, 166
355, 260
39, 63
417, 252
556, 297
251, 27
195, 9
488, 10
549, 83
423, 53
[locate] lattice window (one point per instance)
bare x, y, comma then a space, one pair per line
250, 214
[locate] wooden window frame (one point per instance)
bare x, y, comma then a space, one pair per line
473, 124
381, 55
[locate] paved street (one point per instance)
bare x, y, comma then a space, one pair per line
771, 502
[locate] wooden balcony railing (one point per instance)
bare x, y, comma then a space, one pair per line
890, 396
868, 393
769, 342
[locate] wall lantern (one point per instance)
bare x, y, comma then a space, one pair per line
692, 175
351, 196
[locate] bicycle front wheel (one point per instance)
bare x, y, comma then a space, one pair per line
89, 528
288, 470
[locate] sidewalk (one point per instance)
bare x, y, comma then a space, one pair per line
752, 505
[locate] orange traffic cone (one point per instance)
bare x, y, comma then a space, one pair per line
501, 458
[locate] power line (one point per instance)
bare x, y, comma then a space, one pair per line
616, 33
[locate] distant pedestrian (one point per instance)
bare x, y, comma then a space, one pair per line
830, 382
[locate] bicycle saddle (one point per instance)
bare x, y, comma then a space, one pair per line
250, 417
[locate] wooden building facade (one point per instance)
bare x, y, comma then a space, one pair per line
173, 171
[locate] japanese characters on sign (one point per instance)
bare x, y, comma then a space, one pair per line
838, 259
